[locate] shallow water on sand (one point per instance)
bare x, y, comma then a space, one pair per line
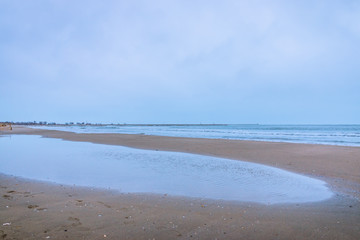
147, 171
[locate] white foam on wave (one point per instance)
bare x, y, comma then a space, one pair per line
346, 135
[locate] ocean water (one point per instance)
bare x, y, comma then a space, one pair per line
346, 135
131, 170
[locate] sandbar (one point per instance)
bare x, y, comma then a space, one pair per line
35, 210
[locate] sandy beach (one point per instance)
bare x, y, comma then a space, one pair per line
39, 210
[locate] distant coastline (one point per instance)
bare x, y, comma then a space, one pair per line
116, 124
45, 123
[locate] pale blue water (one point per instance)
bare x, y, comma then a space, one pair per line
144, 171
346, 135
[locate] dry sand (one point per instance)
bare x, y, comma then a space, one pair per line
37, 210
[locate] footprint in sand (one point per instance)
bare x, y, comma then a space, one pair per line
26, 194
32, 206
106, 205
80, 203
37, 208
75, 221
8, 197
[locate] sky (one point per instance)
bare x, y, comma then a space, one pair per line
185, 61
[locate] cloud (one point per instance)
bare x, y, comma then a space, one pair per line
181, 52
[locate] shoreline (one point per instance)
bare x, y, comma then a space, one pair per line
60, 127
33, 209
339, 166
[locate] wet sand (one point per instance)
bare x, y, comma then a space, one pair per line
36, 210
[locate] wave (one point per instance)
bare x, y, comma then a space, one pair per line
347, 135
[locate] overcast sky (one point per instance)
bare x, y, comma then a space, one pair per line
180, 61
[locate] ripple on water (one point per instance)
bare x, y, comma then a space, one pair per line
145, 171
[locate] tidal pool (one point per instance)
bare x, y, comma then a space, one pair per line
146, 171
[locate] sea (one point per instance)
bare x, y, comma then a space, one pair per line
343, 135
